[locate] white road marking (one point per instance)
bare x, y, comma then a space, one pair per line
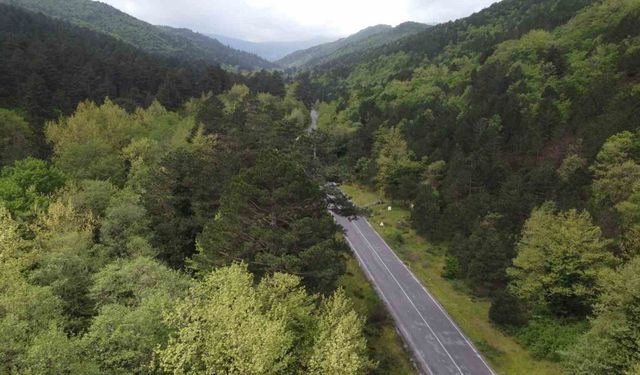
391, 308
409, 298
436, 302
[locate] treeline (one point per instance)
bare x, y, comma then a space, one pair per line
178, 243
477, 34
514, 139
179, 44
47, 67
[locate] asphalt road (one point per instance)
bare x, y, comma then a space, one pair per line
314, 120
438, 345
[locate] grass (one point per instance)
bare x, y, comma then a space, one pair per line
426, 260
385, 345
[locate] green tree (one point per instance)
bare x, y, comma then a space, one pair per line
15, 137
128, 282
30, 320
125, 228
392, 155
612, 345
131, 296
616, 172
339, 347
89, 143
121, 339
484, 255
52, 352
63, 260
26, 185
182, 192
229, 325
12, 245
273, 217
558, 260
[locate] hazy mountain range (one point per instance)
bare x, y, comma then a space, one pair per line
181, 44
185, 44
270, 51
371, 37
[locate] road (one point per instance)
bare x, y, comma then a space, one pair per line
438, 345
314, 120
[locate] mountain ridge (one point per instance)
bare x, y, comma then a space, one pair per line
181, 44
271, 51
370, 37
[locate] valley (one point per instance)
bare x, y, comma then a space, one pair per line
170, 196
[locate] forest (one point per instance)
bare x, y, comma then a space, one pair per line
166, 216
176, 43
164, 242
514, 138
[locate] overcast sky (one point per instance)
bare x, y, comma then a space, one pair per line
293, 20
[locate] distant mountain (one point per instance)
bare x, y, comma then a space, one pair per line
371, 37
182, 44
270, 51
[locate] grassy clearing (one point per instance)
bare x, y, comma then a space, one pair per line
386, 346
470, 313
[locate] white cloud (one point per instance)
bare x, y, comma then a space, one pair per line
288, 20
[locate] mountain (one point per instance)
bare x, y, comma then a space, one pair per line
181, 44
371, 37
513, 138
270, 51
48, 66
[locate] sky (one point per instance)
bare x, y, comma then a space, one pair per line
293, 20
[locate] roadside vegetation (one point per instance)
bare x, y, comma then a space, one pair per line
512, 136
428, 262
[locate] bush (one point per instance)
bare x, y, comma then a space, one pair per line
398, 238
548, 338
507, 310
451, 267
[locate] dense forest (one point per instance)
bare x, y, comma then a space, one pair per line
514, 136
163, 242
181, 44
48, 67
371, 37
162, 215
139, 227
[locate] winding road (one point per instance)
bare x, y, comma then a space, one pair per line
438, 345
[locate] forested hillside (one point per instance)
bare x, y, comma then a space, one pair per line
163, 215
513, 137
139, 225
179, 44
48, 66
371, 37
178, 243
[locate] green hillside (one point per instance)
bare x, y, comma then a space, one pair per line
512, 137
176, 43
162, 215
371, 37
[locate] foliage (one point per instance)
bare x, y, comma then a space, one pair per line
484, 256
26, 185
27, 312
273, 217
558, 260
612, 345
228, 325
15, 137
176, 43
371, 37
140, 185
506, 309
129, 282
132, 295
549, 338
